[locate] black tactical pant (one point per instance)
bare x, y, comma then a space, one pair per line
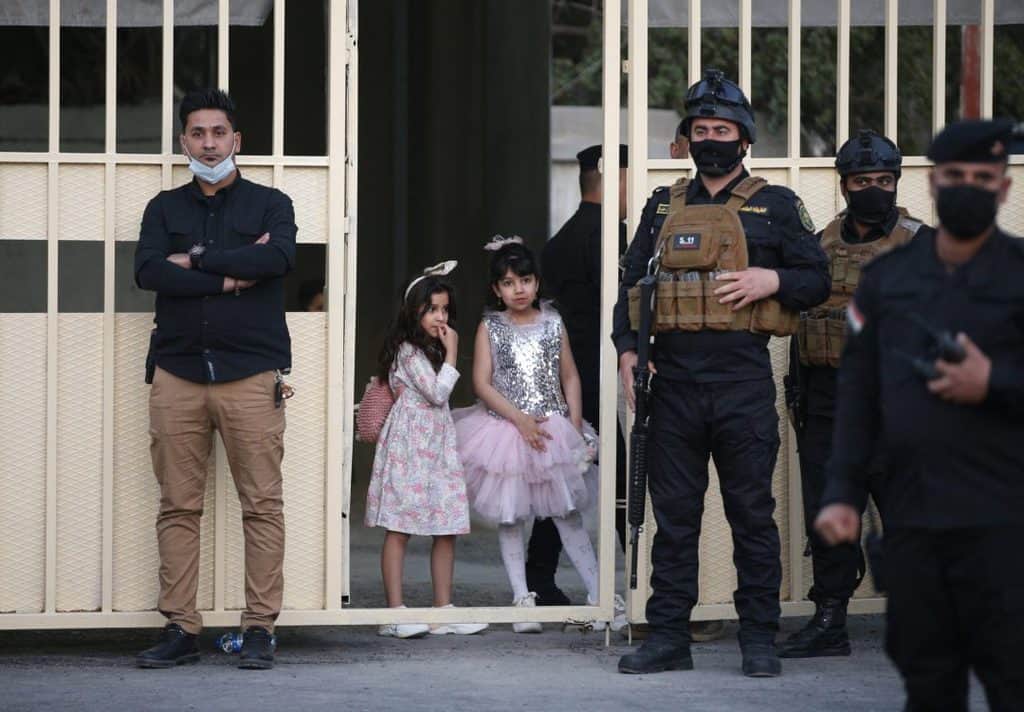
956, 601
737, 424
838, 570
545, 545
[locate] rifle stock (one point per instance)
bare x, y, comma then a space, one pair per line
639, 434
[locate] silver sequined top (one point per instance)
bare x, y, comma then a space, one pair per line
526, 362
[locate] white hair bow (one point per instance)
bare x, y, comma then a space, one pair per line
439, 270
497, 242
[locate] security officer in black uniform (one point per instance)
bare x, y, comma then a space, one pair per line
869, 168
934, 367
571, 265
713, 394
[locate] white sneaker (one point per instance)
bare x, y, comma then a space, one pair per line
403, 630
457, 628
527, 601
619, 620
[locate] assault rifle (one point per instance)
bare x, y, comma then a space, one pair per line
638, 437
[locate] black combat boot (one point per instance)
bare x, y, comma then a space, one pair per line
257, 649
824, 635
541, 580
175, 647
657, 655
760, 660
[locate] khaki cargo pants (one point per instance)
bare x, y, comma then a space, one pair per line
182, 418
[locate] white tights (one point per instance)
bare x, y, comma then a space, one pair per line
575, 541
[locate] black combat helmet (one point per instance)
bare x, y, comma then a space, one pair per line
716, 96
868, 152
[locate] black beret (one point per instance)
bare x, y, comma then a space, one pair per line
590, 156
973, 141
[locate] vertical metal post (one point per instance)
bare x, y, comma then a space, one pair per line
52, 316
693, 41
745, 37
938, 65
609, 247
637, 190
109, 320
892, 27
340, 295
987, 30
277, 126
223, 44
843, 74
167, 95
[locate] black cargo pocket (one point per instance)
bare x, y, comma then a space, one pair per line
247, 229
182, 234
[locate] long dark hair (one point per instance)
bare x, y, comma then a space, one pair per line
406, 326
521, 261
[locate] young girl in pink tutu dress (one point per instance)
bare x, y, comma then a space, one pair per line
524, 446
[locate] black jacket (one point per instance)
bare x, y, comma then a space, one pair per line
779, 236
948, 465
203, 334
571, 266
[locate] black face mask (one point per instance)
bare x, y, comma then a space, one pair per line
966, 211
871, 205
716, 158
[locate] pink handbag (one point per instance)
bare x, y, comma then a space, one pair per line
373, 410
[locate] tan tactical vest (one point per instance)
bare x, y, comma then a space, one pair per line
696, 243
822, 330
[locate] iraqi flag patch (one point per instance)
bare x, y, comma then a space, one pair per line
854, 318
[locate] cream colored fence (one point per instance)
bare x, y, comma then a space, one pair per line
77, 547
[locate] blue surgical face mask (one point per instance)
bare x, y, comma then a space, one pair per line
211, 174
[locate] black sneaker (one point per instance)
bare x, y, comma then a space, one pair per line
258, 647
657, 656
824, 635
175, 647
760, 660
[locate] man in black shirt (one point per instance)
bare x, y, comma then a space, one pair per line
571, 265
713, 393
949, 412
216, 252
869, 167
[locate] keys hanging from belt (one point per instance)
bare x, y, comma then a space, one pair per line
282, 391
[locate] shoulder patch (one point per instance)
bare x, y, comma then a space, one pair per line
805, 217
663, 208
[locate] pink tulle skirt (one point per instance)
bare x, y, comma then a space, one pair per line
508, 481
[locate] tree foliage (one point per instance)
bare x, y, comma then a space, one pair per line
576, 75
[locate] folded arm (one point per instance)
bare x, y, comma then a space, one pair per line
261, 260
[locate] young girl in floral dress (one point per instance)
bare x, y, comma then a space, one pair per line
418, 486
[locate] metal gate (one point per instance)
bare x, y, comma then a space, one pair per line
77, 547
814, 179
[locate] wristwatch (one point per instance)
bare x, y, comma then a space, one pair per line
195, 255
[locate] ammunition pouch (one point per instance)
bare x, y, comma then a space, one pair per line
697, 243
822, 330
